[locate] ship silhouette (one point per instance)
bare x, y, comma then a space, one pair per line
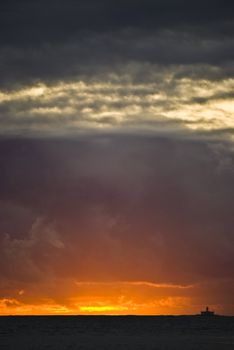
207, 313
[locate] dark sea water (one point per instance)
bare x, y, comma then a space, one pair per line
116, 332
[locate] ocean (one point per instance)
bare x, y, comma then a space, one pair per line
116, 332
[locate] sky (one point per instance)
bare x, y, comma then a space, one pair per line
116, 157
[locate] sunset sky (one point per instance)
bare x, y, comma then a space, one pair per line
116, 156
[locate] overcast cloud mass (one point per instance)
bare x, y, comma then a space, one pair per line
116, 156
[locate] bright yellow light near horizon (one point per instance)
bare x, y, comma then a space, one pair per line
103, 308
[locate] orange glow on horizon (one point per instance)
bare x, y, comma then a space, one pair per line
109, 298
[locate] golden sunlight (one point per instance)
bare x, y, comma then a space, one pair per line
103, 309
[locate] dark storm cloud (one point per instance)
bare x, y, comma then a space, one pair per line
57, 20
72, 39
97, 54
139, 203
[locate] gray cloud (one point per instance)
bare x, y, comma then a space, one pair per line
64, 19
146, 202
27, 256
106, 52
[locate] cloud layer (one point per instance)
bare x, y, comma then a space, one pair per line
163, 103
116, 156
